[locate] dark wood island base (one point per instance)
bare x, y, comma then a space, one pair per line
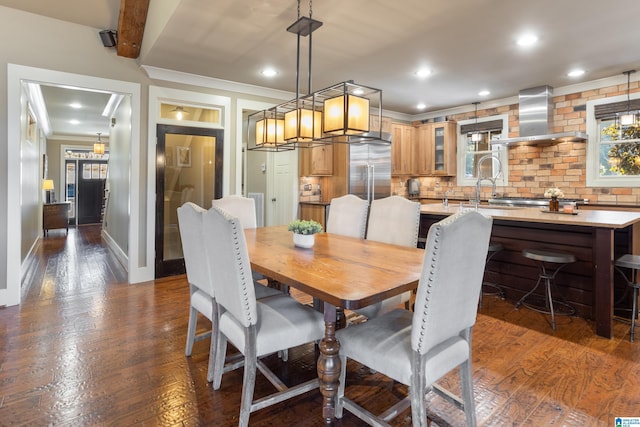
596, 238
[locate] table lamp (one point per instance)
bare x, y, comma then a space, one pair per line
47, 185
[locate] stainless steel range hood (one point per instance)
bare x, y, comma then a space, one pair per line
536, 114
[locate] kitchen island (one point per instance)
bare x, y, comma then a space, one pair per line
595, 237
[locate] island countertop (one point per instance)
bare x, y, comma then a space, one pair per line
584, 217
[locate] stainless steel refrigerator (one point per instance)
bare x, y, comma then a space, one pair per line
370, 170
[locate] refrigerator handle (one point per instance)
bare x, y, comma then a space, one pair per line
368, 168
373, 183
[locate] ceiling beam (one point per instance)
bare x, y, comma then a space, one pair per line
131, 22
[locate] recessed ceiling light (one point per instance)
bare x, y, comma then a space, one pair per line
421, 106
484, 93
423, 72
74, 122
75, 105
527, 40
575, 73
269, 72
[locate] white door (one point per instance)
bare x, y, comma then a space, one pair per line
282, 187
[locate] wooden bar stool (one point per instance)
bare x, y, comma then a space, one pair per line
494, 248
632, 262
545, 257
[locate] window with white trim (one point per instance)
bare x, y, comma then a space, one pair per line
613, 152
471, 149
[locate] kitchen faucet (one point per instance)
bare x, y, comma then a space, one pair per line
445, 200
492, 180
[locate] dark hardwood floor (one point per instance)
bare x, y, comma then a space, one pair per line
87, 349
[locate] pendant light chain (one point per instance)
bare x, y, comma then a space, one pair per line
628, 90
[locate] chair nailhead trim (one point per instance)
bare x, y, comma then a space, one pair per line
430, 280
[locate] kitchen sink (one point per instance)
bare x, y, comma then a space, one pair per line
490, 206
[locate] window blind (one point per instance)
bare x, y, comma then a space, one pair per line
609, 111
491, 125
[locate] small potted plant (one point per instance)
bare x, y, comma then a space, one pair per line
304, 232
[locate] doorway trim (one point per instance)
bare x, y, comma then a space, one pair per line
15, 75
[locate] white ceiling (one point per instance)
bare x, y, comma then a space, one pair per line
469, 45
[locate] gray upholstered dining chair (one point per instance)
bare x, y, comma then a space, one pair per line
200, 286
243, 208
394, 220
255, 328
202, 297
348, 216
419, 348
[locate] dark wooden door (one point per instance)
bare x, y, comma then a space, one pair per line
90, 191
188, 169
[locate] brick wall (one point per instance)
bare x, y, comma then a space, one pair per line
532, 169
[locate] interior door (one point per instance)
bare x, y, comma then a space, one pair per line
90, 191
188, 169
282, 188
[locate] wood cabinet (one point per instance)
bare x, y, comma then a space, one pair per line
316, 212
402, 149
55, 215
436, 149
423, 160
316, 161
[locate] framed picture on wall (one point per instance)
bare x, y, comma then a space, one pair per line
183, 157
45, 166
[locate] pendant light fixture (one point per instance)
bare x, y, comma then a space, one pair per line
476, 136
98, 147
340, 113
629, 118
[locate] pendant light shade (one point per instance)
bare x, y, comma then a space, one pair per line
98, 147
270, 132
302, 125
346, 115
627, 119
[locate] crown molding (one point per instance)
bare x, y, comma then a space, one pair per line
213, 83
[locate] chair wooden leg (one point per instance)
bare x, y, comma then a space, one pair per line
338, 399
466, 378
417, 391
634, 313
191, 331
212, 346
249, 378
219, 357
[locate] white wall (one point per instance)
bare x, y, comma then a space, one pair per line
117, 215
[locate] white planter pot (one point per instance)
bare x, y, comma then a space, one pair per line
304, 240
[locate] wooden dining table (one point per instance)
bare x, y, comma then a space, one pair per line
343, 272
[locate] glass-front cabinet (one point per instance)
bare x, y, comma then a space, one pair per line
436, 149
